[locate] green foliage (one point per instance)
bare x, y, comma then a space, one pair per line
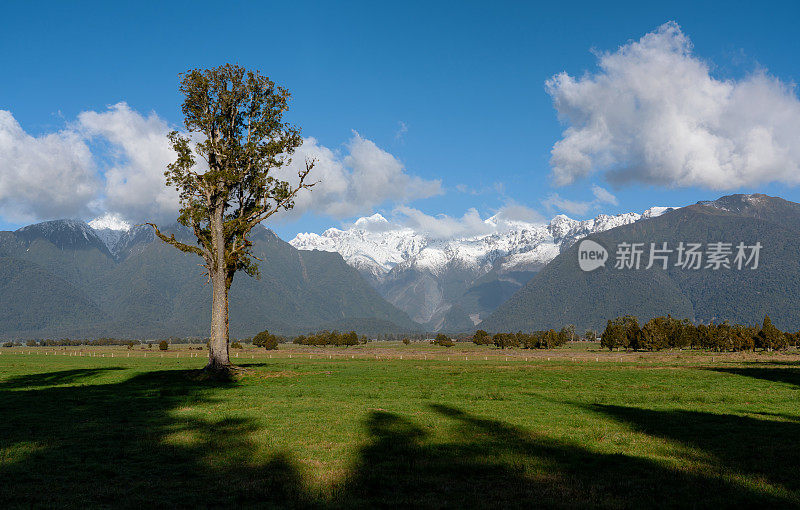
481, 337
236, 345
590, 335
31, 343
669, 333
770, 337
266, 340
238, 115
622, 332
443, 340
406, 341
8, 344
324, 338
163, 345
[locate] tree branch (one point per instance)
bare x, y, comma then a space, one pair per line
188, 248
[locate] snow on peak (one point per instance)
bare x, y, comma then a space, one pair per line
375, 246
110, 221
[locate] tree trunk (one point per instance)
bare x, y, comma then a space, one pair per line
218, 358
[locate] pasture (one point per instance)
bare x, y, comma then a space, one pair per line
388, 424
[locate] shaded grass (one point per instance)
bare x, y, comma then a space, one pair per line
101, 432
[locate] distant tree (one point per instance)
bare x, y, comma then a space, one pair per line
266, 340
655, 334
163, 345
236, 345
481, 337
505, 340
234, 120
770, 337
443, 340
622, 332
406, 341
8, 344
31, 343
590, 335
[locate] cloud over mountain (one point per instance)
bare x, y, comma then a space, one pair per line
113, 162
31, 165
653, 113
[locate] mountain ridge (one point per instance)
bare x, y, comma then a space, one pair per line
453, 283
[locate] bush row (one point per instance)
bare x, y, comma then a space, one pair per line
668, 332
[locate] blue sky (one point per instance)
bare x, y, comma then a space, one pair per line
454, 91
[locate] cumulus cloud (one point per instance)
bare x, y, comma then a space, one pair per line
442, 226
555, 202
51, 175
654, 114
603, 196
140, 152
113, 162
356, 181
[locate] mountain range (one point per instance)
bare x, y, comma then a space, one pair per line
562, 293
454, 283
65, 278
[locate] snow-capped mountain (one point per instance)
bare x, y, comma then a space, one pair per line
454, 283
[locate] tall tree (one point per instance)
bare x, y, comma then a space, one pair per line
234, 123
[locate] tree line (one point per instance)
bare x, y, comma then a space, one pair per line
548, 339
670, 333
335, 338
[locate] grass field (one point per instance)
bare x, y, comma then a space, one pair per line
573, 427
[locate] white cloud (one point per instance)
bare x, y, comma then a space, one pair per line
470, 224
443, 226
402, 129
52, 175
603, 196
56, 175
135, 185
554, 201
355, 182
653, 114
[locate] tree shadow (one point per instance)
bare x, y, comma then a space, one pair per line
783, 372
761, 449
53, 378
127, 445
488, 463
137, 443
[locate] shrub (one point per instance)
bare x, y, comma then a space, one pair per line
443, 340
236, 345
8, 344
406, 341
481, 337
163, 345
770, 337
31, 343
266, 340
622, 332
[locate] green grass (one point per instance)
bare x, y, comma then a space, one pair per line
607, 429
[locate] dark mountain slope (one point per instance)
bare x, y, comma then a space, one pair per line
152, 290
563, 294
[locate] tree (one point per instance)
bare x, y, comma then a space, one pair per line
237, 115
443, 340
163, 345
770, 337
481, 337
266, 340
